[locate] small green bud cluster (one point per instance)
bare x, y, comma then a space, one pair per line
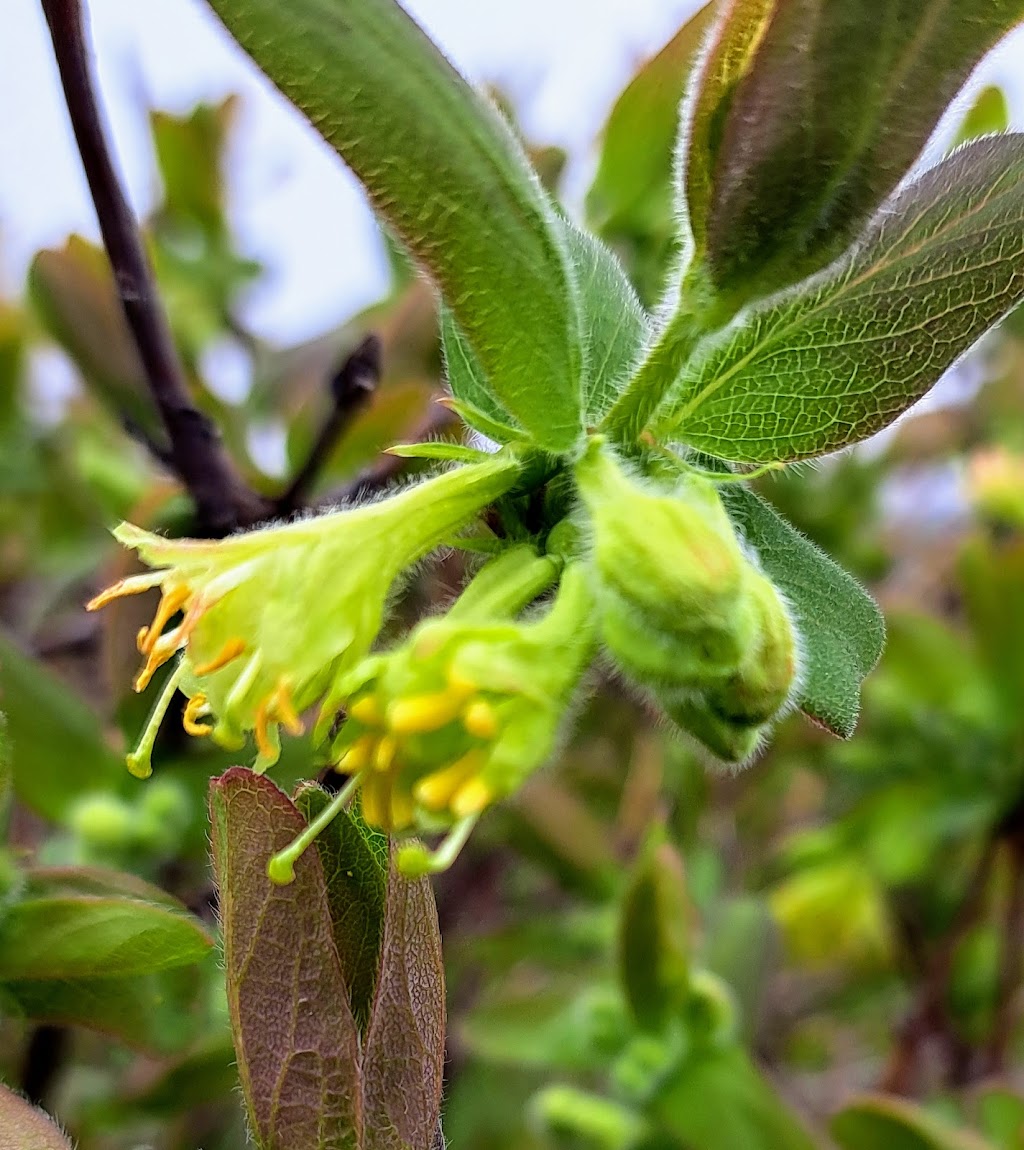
684, 611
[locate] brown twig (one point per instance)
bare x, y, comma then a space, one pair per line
351, 388
223, 500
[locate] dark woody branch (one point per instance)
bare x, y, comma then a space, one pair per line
223, 500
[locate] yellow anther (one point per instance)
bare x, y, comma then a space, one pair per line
231, 650
267, 750
133, 585
421, 714
384, 755
472, 798
367, 710
140, 639
284, 708
196, 709
357, 756
402, 809
436, 791
481, 720
375, 795
170, 604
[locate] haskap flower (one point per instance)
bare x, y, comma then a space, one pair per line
266, 621
469, 705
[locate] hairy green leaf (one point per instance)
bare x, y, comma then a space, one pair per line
295, 1037
843, 356
876, 1122
835, 104
56, 743
89, 937
728, 55
841, 628
445, 172
354, 859
632, 191
615, 326
403, 1063
23, 1127
654, 937
470, 388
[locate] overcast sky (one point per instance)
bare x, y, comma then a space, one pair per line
297, 209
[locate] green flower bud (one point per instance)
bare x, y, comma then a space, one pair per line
472, 703
271, 618
670, 571
730, 716
760, 686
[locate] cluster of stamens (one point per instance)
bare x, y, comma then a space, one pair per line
383, 756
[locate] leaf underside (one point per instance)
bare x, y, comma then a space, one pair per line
446, 173
840, 358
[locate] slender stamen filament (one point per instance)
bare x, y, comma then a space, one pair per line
133, 585
414, 860
171, 603
140, 760
281, 868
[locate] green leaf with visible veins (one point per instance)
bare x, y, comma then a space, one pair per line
68, 936
833, 107
840, 358
615, 326
295, 1037
403, 1061
355, 861
842, 631
23, 1127
446, 173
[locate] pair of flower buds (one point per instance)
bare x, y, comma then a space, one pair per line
275, 622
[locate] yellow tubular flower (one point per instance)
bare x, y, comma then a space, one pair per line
264, 623
467, 708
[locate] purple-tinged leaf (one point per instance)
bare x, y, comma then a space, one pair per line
22, 1127
295, 1037
404, 1059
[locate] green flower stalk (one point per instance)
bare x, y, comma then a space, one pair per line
464, 711
269, 620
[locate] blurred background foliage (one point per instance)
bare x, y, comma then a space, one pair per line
825, 950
